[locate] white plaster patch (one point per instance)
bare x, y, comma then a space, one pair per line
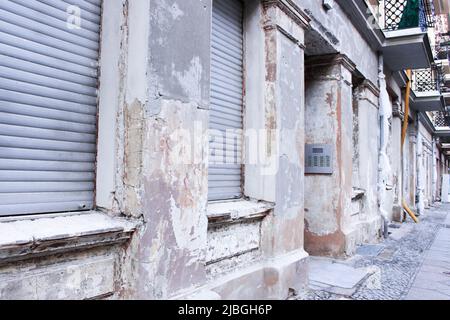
176, 11
322, 225
190, 80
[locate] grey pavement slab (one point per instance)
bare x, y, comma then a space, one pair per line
426, 294
433, 279
327, 273
370, 250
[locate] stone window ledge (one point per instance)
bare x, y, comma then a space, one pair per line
35, 236
240, 210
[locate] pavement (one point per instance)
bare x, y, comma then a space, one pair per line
433, 279
412, 264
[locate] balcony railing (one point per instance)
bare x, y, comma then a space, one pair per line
398, 14
443, 48
440, 119
426, 80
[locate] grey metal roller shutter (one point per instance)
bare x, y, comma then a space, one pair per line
48, 106
225, 164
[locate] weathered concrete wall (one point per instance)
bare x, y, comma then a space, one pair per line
386, 170
366, 144
409, 167
274, 110
164, 170
425, 168
397, 124
92, 274
341, 35
395, 93
166, 152
329, 120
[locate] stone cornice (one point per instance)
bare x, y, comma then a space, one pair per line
290, 9
332, 59
369, 85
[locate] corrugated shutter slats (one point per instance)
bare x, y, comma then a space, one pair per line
48, 106
225, 167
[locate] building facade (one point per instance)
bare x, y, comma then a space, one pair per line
204, 149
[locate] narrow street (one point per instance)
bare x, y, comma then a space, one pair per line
412, 264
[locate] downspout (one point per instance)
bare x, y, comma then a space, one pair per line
419, 171
383, 158
434, 175
404, 131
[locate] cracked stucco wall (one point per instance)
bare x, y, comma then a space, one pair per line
335, 29
161, 147
365, 177
329, 120
159, 98
165, 178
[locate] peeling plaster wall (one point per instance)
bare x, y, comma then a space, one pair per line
167, 117
365, 177
329, 120
165, 165
424, 172
341, 36
397, 211
88, 275
410, 171
287, 228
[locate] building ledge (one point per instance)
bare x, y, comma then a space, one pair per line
407, 49
37, 236
428, 101
230, 211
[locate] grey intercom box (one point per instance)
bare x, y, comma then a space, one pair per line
319, 158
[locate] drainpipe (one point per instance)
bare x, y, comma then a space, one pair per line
383, 161
404, 132
419, 172
434, 171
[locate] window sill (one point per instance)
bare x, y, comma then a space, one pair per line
36, 236
240, 210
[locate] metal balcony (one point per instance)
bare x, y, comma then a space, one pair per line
407, 44
440, 119
426, 85
394, 11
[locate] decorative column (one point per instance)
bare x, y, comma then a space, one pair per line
283, 231
365, 172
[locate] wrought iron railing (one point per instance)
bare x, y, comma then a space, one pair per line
440, 119
443, 48
425, 80
395, 9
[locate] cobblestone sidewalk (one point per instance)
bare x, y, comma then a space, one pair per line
397, 261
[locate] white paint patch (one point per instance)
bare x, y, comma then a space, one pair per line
176, 11
322, 225
138, 43
190, 80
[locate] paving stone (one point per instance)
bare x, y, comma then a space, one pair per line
370, 250
426, 294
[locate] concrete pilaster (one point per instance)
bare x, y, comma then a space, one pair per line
329, 119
